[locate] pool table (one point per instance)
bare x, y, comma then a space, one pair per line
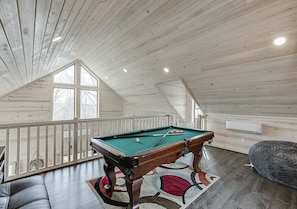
137, 153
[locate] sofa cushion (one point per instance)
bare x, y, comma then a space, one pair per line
37, 204
4, 202
24, 193
27, 196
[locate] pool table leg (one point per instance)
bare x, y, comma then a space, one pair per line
109, 171
197, 157
133, 188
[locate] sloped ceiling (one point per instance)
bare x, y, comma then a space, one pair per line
222, 50
176, 95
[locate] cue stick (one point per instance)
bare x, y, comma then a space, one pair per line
159, 140
144, 135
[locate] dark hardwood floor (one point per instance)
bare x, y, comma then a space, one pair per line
239, 186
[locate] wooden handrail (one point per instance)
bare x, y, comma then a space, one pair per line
54, 144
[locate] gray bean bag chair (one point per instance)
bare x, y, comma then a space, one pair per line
276, 160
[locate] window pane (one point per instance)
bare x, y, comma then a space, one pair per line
86, 79
63, 104
88, 104
197, 112
65, 76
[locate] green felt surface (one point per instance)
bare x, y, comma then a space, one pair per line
131, 147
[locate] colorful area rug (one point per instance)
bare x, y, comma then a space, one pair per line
172, 185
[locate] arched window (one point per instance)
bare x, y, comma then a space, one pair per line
75, 93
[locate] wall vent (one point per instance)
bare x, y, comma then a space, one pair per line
244, 127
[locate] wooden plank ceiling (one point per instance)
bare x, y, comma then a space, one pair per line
222, 50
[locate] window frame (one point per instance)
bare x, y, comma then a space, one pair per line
77, 87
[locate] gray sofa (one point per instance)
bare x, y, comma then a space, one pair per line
26, 193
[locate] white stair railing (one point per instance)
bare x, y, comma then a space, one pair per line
32, 148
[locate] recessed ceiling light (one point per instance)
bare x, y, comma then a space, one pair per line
125, 70
166, 69
106, 77
279, 41
57, 38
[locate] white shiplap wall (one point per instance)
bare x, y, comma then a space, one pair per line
30, 103
110, 104
33, 103
274, 128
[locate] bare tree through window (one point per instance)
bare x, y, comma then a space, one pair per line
67, 89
